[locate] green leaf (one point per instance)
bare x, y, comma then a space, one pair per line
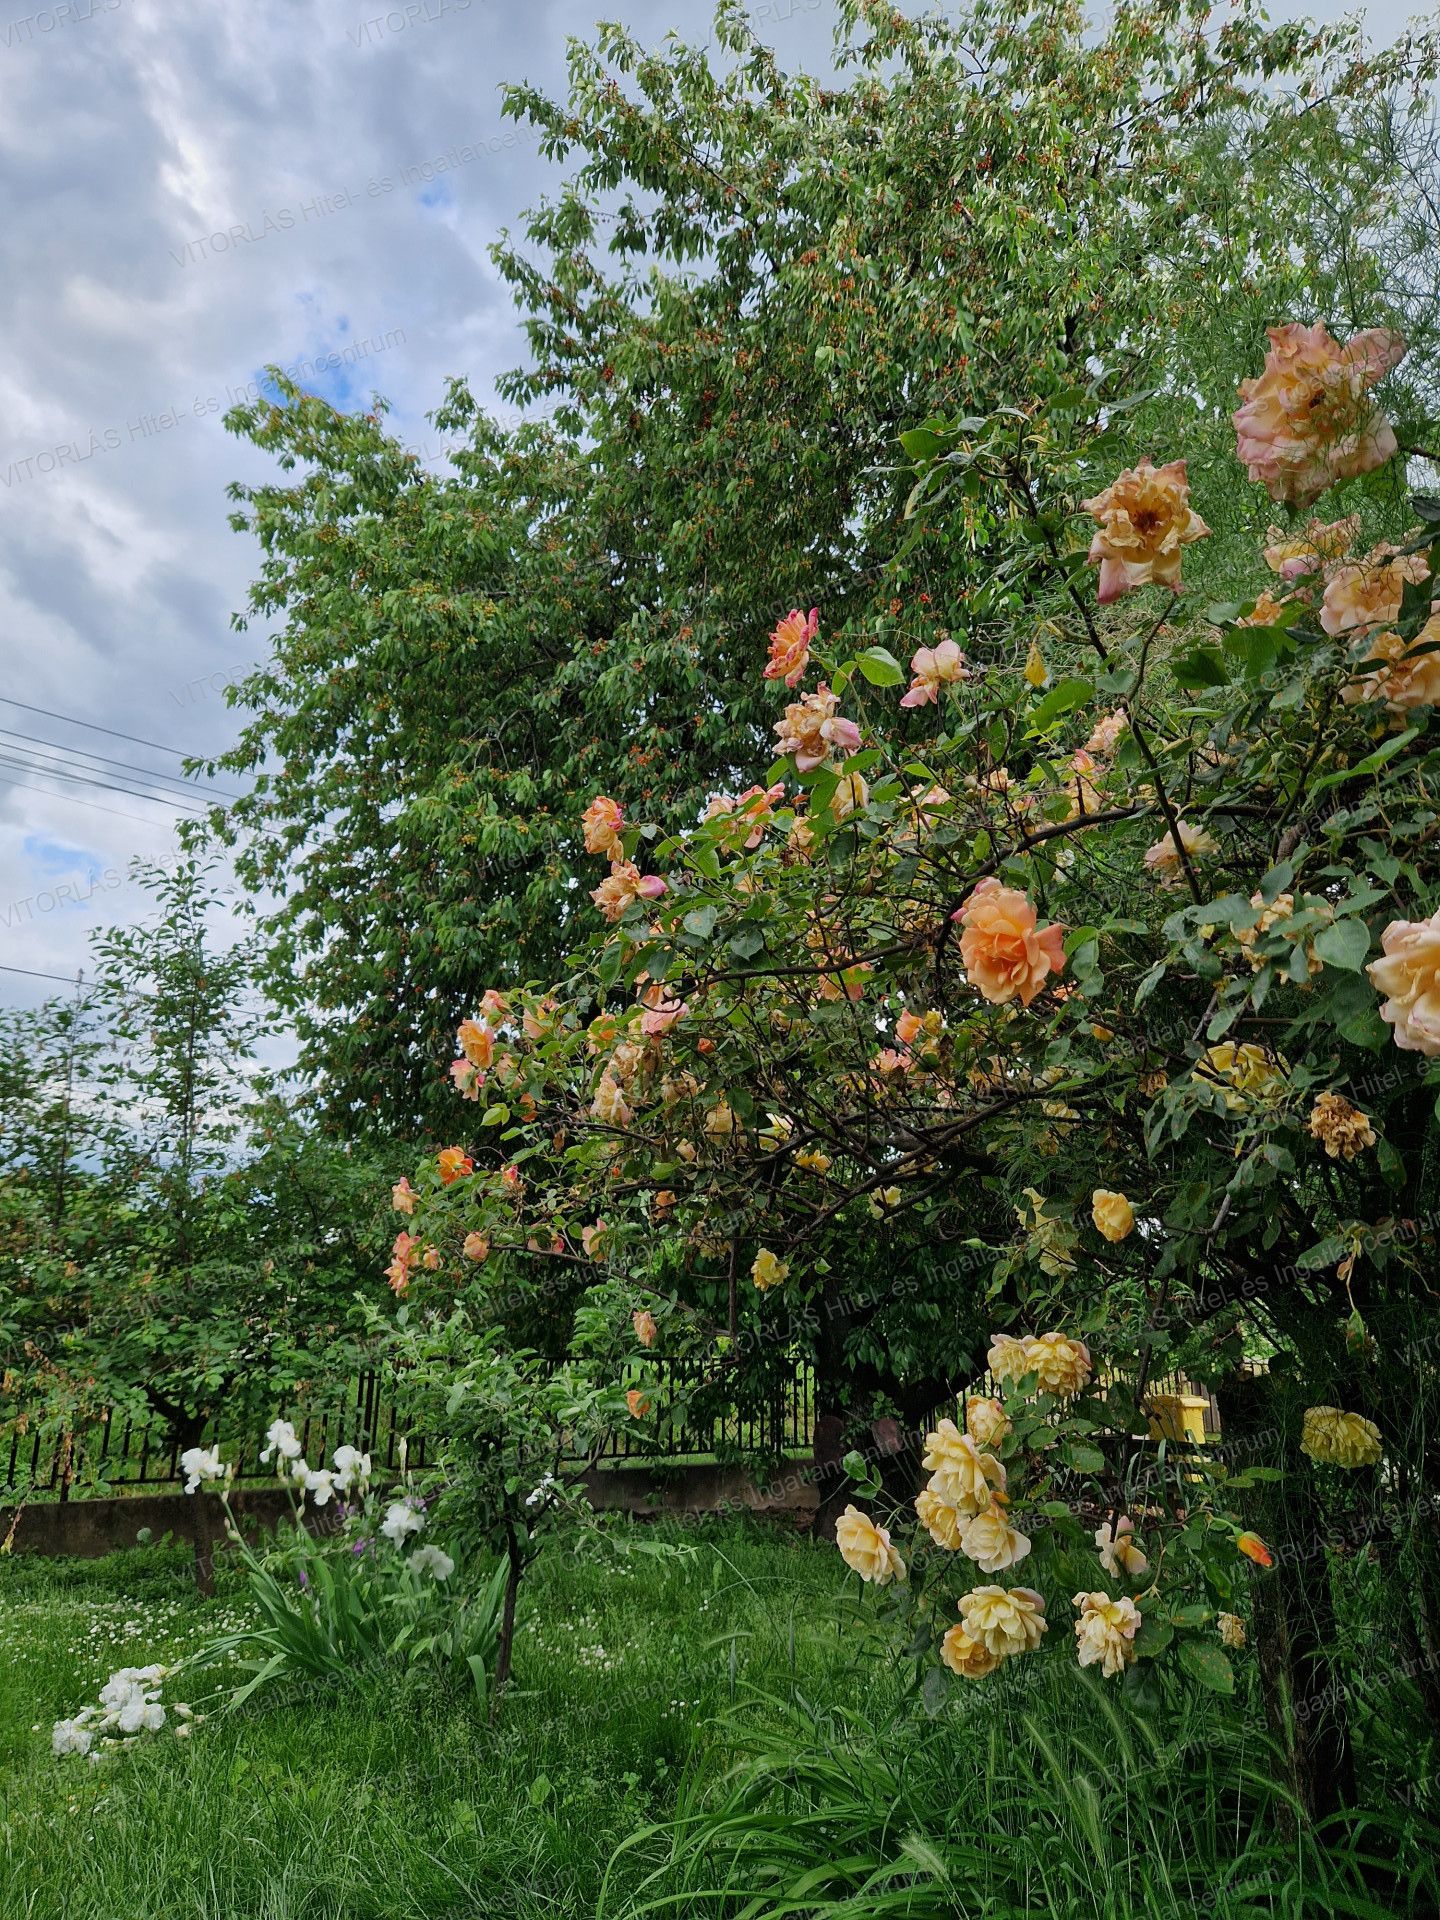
1060, 700
701, 922
1202, 667
1206, 1663
880, 668
1154, 1637
495, 1116
1083, 1459
1345, 944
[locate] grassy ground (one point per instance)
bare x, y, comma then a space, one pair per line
723, 1697
384, 1803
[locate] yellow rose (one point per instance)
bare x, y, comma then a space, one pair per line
1007, 1359
971, 1659
768, 1270
1105, 1632
1112, 1213
1063, 1365
1005, 1621
986, 1421
1341, 1129
1163, 859
962, 1476
992, 1543
1119, 1551
866, 1549
944, 1523
1339, 1439
1245, 1072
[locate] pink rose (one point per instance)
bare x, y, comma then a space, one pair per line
1307, 419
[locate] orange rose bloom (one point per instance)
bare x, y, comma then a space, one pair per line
1006, 955
454, 1163
643, 1322
602, 821
1145, 519
638, 1403
476, 1247
790, 646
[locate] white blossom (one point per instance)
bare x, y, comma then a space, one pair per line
433, 1560
352, 1469
401, 1520
201, 1464
282, 1441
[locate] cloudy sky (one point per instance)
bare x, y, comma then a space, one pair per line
192, 190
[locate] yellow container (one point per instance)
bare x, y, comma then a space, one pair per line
1178, 1416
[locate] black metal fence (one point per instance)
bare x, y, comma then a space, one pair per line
686, 1416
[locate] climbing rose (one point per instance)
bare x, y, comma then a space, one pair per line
476, 1247
1118, 1550
1340, 1439
1105, 1632
986, 1421
1409, 975
812, 730
1307, 421
477, 1042
961, 1475
1062, 1364
992, 1542
1341, 1129
1005, 1621
1145, 518
1399, 673
790, 645
623, 884
1266, 611
609, 1105
1007, 1359
768, 1270
454, 1164
602, 821
1164, 857
1107, 732
1112, 1213
1246, 1072
971, 1659
945, 1524
1292, 555
866, 1549
643, 1322
931, 668
638, 1403
592, 1240
1370, 593
1005, 954
403, 1196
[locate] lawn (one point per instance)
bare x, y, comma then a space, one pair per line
722, 1693
391, 1802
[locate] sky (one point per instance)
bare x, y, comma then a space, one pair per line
193, 190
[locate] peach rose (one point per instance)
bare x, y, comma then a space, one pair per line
454, 1164
602, 821
643, 1322
621, 885
1292, 555
1106, 734
986, 1421
1369, 593
638, 1403
866, 1549
790, 645
1307, 420
1266, 612
476, 1247
1112, 1213
1005, 953
932, 668
592, 1239
403, 1196
812, 730
1145, 519
1409, 975
992, 1543
1005, 1621
1105, 1632
971, 1659
609, 1105
1163, 858
467, 1077
662, 1010
1397, 673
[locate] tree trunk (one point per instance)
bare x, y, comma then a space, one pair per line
505, 1648
1295, 1626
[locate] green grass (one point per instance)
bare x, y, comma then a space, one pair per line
711, 1730
391, 1801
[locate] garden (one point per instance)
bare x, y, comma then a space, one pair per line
860, 908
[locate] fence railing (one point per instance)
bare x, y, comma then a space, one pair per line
689, 1418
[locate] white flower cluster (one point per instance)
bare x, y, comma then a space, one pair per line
201, 1466
129, 1705
349, 1473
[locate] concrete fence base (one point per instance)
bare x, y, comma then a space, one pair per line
89, 1529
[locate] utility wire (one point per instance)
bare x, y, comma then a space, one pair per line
70, 720
124, 766
77, 800
173, 801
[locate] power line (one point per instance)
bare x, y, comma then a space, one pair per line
70, 980
93, 727
124, 766
76, 800
173, 801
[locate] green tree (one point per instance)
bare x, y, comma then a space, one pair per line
752, 282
